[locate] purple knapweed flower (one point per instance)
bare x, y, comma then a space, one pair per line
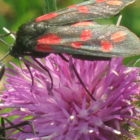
67, 112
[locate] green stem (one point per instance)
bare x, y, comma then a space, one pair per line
49, 6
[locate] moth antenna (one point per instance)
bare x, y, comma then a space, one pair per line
5, 56
12, 34
5, 42
7, 52
119, 20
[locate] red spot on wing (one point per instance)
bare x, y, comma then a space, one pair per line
49, 39
98, 1
46, 17
114, 2
111, 2
119, 36
86, 35
76, 44
84, 23
83, 9
43, 48
72, 6
106, 46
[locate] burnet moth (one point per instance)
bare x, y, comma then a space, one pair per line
71, 31
13, 126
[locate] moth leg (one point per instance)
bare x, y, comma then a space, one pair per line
64, 58
30, 74
45, 70
77, 75
79, 78
2, 128
19, 125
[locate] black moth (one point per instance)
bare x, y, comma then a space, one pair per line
71, 31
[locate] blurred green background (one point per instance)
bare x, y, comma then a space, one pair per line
13, 13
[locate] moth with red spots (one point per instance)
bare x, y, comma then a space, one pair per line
70, 31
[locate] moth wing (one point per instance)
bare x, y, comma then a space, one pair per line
89, 10
93, 40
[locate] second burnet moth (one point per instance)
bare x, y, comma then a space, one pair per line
71, 31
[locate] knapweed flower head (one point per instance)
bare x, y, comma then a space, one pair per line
67, 112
